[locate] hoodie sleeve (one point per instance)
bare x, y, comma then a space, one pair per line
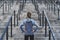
21, 25
35, 24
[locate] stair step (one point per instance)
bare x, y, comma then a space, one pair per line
43, 38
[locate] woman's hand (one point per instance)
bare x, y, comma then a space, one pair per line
25, 31
33, 30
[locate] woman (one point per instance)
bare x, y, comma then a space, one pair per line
29, 30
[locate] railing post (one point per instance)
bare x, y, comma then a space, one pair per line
11, 26
33, 1
17, 19
49, 7
42, 18
14, 18
25, 1
7, 34
54, 8
19, 16
3, 8
49, 34
58, 14
12, 2
37, 7
39, 15
19, 11
8, 7
21, 6
45, 27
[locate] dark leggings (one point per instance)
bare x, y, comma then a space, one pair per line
29, 36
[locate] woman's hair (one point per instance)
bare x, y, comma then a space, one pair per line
29, 15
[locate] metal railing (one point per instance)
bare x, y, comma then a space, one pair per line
22, 3
45, 22
21, 6
5, 32
55, 7
51, 32
4, 7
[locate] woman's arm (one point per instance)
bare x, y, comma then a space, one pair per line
21, 27
36, 26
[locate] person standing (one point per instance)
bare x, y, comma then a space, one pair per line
28, 23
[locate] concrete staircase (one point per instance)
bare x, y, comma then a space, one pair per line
39, 35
